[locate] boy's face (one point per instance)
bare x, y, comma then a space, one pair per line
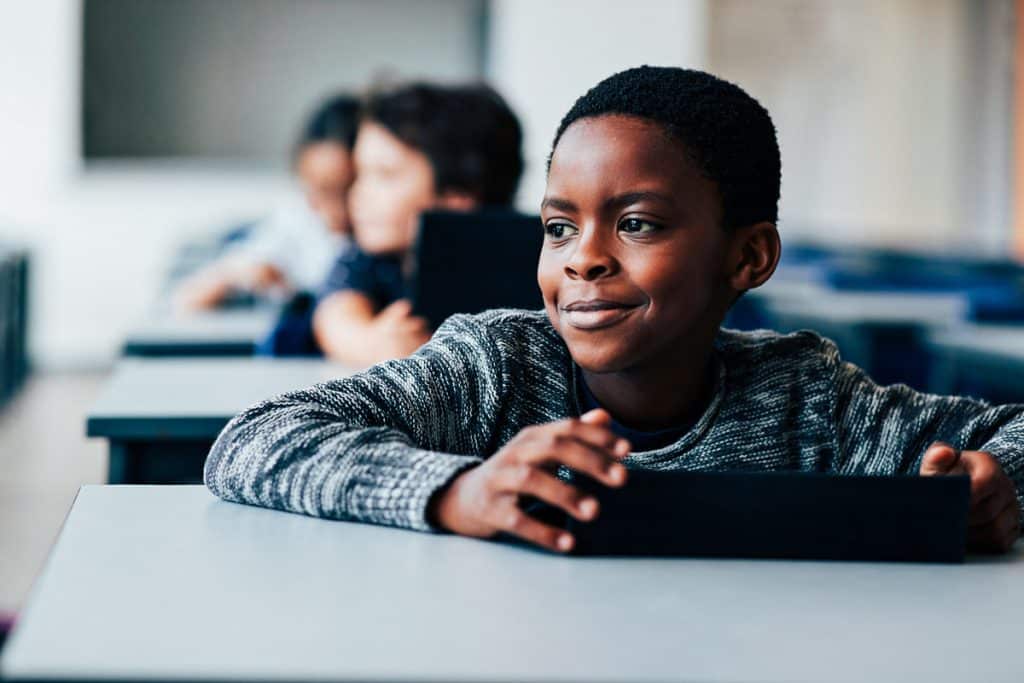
327, 172
394, 184
632, 267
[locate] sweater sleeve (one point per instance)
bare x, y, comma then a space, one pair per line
372, 447
886, 430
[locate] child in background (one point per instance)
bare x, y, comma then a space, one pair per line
294, 248
660, 211
419, 147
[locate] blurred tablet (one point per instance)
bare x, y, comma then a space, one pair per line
472, 262
779, 515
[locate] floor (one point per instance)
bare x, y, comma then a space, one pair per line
44, 459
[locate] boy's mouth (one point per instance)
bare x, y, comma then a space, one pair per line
595, 314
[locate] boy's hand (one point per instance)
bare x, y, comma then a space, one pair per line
993, 523
484, 501
397, 332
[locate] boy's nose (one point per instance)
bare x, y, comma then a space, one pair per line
590, 260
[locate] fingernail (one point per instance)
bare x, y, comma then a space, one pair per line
565, 542
588, 507
617, 473
621, 447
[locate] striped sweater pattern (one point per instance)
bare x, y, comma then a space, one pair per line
375, 446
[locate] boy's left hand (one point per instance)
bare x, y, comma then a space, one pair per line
993, 523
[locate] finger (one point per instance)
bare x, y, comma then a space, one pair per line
940, 458
533, 481
1000, 535
583, 458
597, 435
518, 523
989, 508
597, 416
396, 310
985, 472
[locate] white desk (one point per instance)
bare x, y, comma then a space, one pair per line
170, 583
231, 332
161, 415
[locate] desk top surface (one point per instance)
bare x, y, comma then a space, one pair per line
175, 397
169, 582
999, 341
166, 331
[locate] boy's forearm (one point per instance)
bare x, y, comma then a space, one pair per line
372, 475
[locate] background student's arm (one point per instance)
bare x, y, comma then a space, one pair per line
349, 329
373, 447
215, 283
891, 429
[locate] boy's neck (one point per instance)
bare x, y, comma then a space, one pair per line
660, 395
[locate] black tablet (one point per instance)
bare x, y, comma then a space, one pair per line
779, 515
474, 261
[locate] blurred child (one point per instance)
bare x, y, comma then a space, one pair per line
419, 147
294, 248
660, 211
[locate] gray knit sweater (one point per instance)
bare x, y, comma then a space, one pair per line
375, 446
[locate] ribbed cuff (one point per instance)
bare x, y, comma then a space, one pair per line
401, 497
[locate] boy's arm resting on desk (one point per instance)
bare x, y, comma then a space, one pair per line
373, 447
886, 430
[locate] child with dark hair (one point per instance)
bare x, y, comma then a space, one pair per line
420, 147
294, 248
660, 210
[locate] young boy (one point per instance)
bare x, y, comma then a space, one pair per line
660, 211
294, 248
419, 147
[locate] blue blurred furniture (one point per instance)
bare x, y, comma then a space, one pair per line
879, 305
985, 361
14, 274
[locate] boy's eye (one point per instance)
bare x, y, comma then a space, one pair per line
558, 231
637, 225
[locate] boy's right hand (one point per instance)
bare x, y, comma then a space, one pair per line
484, 501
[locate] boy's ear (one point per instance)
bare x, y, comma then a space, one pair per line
753, 255
456, 200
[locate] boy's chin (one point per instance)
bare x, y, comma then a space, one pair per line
600, 359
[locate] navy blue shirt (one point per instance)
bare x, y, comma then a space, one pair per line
379, 277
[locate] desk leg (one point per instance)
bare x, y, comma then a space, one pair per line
122, 465
147, 462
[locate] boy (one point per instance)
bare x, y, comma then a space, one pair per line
294, 248
660, 211
419, 147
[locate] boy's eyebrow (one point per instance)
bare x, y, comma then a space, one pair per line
619, 200
558, 203
627, 198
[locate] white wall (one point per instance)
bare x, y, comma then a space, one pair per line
100, 239
881, 112
543, 55
102, 236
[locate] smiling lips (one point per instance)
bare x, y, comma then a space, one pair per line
594, 314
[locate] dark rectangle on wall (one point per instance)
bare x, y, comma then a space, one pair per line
233, 79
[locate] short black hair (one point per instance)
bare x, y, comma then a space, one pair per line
727, 133
468, 133
336, 119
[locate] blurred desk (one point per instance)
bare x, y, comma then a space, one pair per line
162, 415
980, 360
882, 332
169, 583
231, 332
